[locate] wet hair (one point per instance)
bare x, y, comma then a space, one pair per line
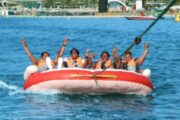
128, 52
105, 52
44, 53
74, 49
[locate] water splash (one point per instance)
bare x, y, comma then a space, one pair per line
12, 89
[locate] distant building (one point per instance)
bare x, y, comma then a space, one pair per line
139, 4
117, 5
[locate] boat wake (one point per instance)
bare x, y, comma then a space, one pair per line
14, 89
6, 86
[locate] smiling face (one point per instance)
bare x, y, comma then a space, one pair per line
74, 53
105, 56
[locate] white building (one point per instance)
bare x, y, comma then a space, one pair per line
139, 4
120, 5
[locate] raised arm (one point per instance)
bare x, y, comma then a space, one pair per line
33, 59
141, 59
61, 50
114, 53
86, 60
117, 63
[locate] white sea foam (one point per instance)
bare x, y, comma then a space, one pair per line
13, 89
6, 86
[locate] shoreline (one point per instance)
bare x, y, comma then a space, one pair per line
21, 16
89, 16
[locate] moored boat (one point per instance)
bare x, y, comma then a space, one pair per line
85, 81
141, 18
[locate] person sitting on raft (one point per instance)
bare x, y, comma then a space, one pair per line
75, 60
44, 63
131, 64
117, 62
134, 64
104, 62
90, 63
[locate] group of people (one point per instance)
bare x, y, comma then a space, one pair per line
45, 63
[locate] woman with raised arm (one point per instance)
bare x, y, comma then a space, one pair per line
117, 62
44, 63
133, 64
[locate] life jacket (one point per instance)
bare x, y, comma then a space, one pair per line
132, 66
107, 64
75, 63
45, 66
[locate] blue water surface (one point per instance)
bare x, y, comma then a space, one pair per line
96, 34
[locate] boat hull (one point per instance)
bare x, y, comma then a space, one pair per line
141, 18
83, 81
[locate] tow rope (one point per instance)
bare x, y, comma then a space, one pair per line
137, 40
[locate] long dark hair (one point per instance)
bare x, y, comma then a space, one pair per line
74, 49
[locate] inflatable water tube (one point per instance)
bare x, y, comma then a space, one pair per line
83, 81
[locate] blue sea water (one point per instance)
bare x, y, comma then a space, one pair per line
96, 34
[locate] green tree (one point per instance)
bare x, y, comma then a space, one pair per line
49, 3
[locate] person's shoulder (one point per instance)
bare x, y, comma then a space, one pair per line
69, 58
110, 60
100, 60
79, 58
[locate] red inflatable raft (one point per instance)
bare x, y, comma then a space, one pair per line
84, 81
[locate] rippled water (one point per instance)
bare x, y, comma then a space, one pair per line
97, 34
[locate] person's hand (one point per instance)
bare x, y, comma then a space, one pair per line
92, 55
115, 50
116, 56
23, 43
87, 53
146, 46
66, 40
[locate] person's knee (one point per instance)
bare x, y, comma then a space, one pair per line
48, 62
29, 70
32, 68
147, 72
60, 63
